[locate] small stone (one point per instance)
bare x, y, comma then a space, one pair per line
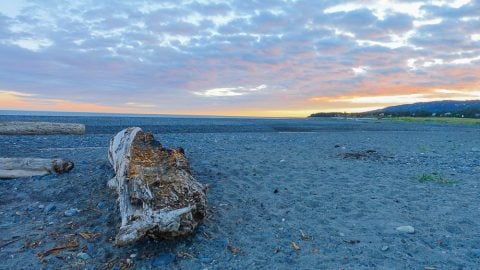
50, 207
476, 253
84, 256
406, 229
101, 205
385, 248
163, 260
71, 212
41, 206
429, 268
133, 255
475, 149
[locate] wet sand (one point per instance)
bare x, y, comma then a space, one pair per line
337, 189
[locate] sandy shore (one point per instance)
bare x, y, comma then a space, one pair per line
337, 189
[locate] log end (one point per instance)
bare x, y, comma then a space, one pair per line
61, 166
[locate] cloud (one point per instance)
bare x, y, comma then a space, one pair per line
139, 105
229, 92
212, 56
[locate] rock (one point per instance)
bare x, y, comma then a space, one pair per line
157, 194
84, 256
41, 206
102, 205
476, 253
475, 149
385, 248
71, 212
50, 207
163, 260
406, 229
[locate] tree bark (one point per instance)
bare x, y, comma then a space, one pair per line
157, 194
26, 167
40, 128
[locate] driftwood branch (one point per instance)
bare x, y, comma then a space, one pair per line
40, 128
26, 167
157, 194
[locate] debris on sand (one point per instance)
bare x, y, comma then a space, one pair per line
72, 244
233, 249
40, 128
8, 242
364, 155
351, 242
157, 194
406, 229
11, 168
304, 236
89, 235
295, 246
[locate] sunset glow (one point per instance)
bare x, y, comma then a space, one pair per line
239, 58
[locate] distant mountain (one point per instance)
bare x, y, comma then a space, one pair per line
447, 108
443, 106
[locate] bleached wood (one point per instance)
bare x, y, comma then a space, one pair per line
27, 167
157, 194
40, 128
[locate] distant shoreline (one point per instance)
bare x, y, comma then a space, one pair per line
90, 114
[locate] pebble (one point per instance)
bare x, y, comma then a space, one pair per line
385, 248
84, 256
102, 205
163, 259
71, 212
50, 207
406, 229
41, 206
476, 253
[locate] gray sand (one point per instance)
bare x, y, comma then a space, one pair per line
347, 185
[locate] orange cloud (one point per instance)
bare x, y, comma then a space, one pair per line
15, 100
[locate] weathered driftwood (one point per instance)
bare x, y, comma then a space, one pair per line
157, 194
40, 128
26, 167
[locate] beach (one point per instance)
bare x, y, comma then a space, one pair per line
282, 194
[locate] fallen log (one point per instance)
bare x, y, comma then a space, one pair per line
40, 128
26, 167
157, 194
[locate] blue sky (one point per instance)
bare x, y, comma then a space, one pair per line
272, 58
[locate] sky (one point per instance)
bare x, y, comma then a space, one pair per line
239, 57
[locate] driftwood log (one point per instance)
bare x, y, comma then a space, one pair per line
40, 128
25, 167
157, 195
